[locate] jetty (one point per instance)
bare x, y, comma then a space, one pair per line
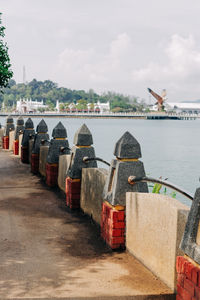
71, 230
111, 115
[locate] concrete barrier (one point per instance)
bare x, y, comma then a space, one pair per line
154, 227
43, 159
2, 129
63, 165
92, 186
11, 140
30, 147
20, 143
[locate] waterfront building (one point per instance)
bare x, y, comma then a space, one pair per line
181, 107
27, 106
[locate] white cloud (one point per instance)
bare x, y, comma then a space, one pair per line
92, 68
181, 61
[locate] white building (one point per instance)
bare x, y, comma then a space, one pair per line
26, 106
102, 107
179, 107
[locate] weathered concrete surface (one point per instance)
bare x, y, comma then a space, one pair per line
30, 147
20, 144
2, 129
43, 159
92, 186
154, 228
48, 253
63, 165
11, 140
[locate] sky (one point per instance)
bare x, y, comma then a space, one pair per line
122, 46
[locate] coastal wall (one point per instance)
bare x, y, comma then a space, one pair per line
149, 226
11, 140
2, 129
92, 186
64, 162
42, 159
154, 227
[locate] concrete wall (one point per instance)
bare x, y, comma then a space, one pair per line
43, 159
154, 228
1, 135
92, 185
64, 162
20, 143
30, 146
11, 139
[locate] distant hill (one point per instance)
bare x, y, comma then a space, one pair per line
194, 101
49, 92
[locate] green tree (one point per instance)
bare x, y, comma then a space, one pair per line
5, 71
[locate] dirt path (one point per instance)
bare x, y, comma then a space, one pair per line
48, 252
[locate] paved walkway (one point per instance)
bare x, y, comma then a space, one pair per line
48, 252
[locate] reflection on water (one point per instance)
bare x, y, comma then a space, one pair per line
170, 148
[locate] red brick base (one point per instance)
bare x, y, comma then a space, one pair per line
73, 190
34, 163
5, 142
16, 147
24, 155
188, 281
51, 174
113, 226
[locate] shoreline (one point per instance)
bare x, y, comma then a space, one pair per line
143, 116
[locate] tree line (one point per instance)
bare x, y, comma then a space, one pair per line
49, 92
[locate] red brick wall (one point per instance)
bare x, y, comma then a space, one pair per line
73, 191
51, 174
5, 142
16, 147
113, 226
188, 281
34, 163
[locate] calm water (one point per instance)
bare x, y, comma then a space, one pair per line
170, 148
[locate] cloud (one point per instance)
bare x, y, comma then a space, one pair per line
181, 62
94, 68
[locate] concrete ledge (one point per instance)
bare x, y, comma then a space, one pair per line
154, 228
20, 144
11, 140
63, 165
92, 186
43, 159
30, 147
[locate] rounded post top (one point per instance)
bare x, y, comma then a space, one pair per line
83, 136
29, 124
20, 121
59, 131
42, 127
127, 147
9, 119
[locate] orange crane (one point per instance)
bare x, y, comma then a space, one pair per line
160, 99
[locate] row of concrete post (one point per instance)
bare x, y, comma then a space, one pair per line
62, 166
101, 193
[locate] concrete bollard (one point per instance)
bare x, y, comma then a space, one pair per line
127, 152
8, 128
59, 140
40, 135
83, 141
188, 266
28, 132
18, 129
